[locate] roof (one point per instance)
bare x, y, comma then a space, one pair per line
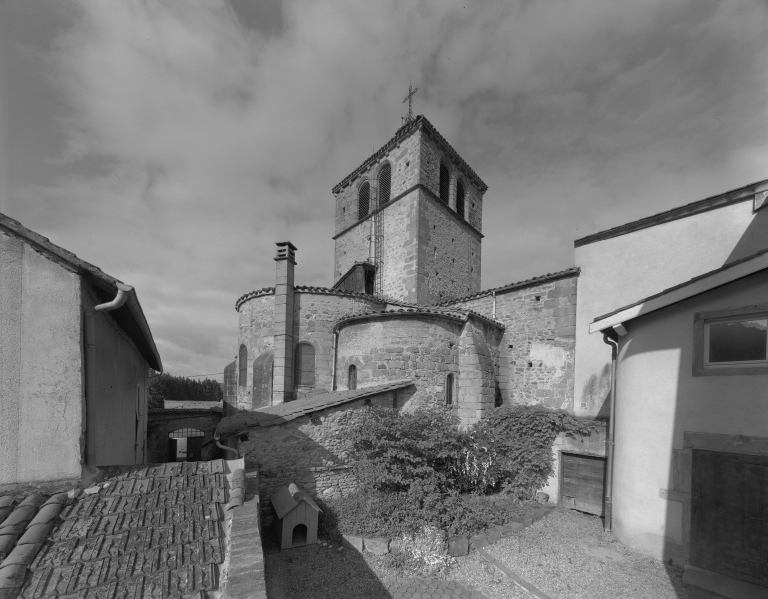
411, 311
287, 498
170, 404
696, 286
152, 531
721, 200
419, 123
130, 317
303, 289
550, 276
285, 412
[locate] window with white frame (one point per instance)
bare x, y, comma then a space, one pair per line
740, 341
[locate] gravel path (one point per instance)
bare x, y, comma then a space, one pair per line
568, 556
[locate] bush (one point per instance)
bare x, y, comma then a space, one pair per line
404, 452
511, 450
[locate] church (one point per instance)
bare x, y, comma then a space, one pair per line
406, 300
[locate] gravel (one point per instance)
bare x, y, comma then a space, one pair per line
567, 555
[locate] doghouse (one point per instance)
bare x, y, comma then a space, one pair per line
297, 517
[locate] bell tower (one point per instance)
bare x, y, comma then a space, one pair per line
409, 220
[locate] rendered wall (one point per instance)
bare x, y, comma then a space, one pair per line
660, 403
621, 270
41, 416
119, 405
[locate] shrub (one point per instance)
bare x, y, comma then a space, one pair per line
404, 452
511, 450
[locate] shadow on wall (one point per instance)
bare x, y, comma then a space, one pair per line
596, 393
753, 239
311, 451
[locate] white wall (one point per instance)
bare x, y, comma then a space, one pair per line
659, 399
40, 371
624, 269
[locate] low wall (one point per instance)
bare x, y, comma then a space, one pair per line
310, 451
162, 422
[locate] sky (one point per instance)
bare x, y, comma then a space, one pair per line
172, 143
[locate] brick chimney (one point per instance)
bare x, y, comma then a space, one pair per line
282, 382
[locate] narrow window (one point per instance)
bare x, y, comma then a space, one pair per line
242, 361
460, 199
352, 382
363, 200
445, 181
304, 366
385, 183
449, 389
736, 342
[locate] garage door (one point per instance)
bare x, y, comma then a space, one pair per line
582, 485
729, 514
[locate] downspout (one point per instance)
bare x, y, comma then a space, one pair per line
610, 338
333, 361
123, 292
226, 447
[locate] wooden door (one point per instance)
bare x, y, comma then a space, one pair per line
729, 514
582, 483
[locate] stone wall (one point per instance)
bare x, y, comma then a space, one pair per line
449, 259
230, 388
316, 311
536, 354
478, 373
400, 254
309, 451
405, 161
422, 349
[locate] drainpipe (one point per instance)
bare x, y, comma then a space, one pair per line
333, 362
611, 338
493, 293
226, 447
123, 292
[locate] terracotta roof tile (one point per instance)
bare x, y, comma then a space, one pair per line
151, 531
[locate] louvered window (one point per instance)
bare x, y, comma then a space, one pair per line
363, 200
385, 184
445, 181
242, 360
460, 199
304, 365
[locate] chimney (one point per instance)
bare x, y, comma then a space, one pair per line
282, 382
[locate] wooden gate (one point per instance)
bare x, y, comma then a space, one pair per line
729, 514
582, 482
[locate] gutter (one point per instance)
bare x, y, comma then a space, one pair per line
610, 337
124, 292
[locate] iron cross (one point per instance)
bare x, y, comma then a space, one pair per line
409, 99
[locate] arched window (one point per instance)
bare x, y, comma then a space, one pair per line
385, 183
449, 389
460, 199
445, 182
352, 380
304, 366
363, 200
242, 362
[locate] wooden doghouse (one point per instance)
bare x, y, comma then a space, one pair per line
297, 517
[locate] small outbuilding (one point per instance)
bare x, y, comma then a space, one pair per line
297, 517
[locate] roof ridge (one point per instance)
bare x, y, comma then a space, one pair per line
405, 130
508, 287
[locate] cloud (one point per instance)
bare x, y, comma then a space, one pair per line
198, 133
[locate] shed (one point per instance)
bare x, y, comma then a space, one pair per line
297, 517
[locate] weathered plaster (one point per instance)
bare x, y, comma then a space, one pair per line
50, 385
